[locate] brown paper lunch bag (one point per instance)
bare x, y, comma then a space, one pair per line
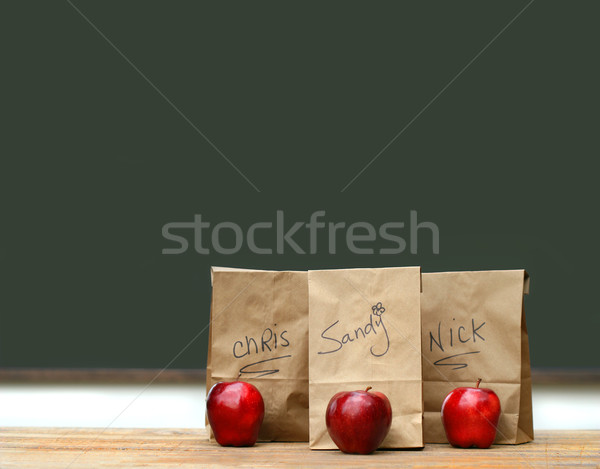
473, 326
259, 333
365, 330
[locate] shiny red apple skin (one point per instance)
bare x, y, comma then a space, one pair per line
235, 412
470, 417
358, 421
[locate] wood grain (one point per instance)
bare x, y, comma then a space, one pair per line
161, 448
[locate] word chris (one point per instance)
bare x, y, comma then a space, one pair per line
269, 340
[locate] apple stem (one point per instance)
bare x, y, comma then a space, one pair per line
368, 387
478, 381
239, 376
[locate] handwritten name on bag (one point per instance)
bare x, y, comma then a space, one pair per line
451, 337
374, 325
269, 341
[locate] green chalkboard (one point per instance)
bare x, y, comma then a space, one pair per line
124, 124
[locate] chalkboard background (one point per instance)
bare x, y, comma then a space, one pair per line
300, 97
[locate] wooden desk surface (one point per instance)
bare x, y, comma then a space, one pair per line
122, 448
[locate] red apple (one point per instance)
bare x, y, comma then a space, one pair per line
358, 421
235, 412
470, 416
